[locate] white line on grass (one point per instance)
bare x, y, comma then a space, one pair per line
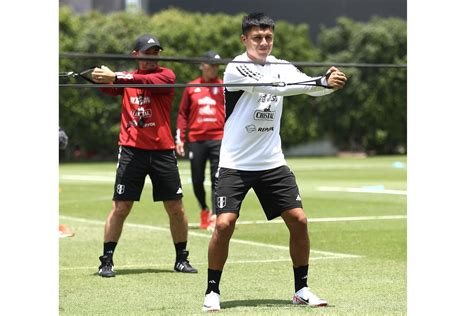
99, 198
326, 219
238, 241
375, 190
72, 177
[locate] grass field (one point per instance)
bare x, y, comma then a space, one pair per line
357, 222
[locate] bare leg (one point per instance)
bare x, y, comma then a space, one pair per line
297, 224
219, 243
115, 219
178, 220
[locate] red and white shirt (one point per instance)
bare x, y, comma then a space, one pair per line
201, 111
150, 106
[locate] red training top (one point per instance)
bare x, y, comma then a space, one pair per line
202, 109
149, 107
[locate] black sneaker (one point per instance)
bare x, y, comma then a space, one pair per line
182, 264
106, 268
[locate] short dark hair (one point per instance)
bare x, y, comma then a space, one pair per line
260, 20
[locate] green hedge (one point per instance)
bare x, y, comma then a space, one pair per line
357, 115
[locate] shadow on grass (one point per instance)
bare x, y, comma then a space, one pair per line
139, 271
263, 303
253, 303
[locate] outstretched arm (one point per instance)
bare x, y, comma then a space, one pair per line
293, 81
106, 75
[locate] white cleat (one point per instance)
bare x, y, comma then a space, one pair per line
212, 302
305, 297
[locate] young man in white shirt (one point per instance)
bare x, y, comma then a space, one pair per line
251, 154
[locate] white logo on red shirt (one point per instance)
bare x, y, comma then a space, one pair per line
207, 110
140, 100
121, 75
207, 100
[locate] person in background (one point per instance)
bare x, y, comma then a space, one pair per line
146, 147
201, 114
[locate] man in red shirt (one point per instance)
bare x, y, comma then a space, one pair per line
202, 112
146, 148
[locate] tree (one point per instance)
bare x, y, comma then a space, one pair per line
371, 113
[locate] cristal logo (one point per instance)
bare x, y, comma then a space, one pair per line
141, 112
264, 115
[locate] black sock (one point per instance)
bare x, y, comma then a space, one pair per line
109, 248
180, 248
301, 277
213, 280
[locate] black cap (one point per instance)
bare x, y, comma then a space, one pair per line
146, 41
211, 55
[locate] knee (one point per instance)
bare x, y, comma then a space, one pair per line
122, 208
299, 221
225, 227
174, 208
302, 220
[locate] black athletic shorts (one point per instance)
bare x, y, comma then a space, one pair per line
276, 190
135, 164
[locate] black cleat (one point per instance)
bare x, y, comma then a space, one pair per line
182, 264
106, 268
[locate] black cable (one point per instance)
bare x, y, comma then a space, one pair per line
172, 85
222, 61
81, 74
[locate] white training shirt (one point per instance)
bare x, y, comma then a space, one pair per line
252, 128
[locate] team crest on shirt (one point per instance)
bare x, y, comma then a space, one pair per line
265, 98
221, 201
